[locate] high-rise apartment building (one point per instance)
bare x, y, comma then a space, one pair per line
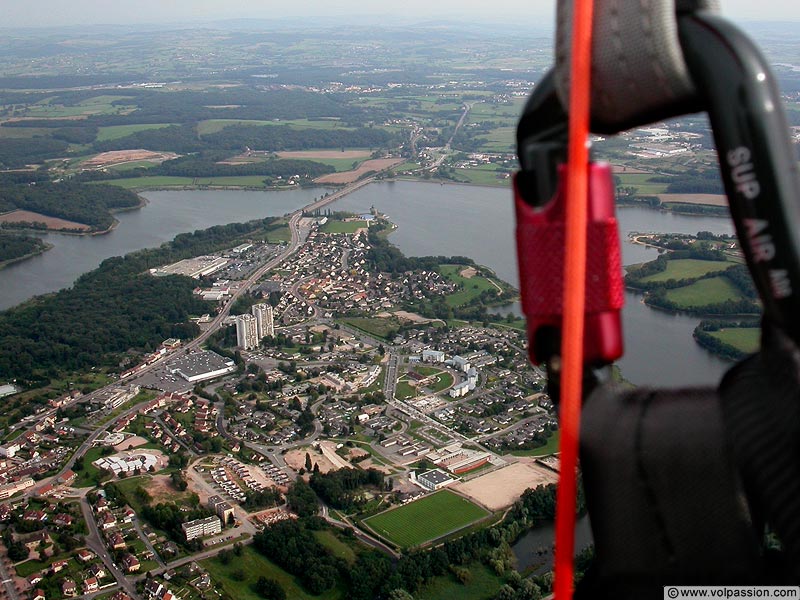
264, 322
247, 332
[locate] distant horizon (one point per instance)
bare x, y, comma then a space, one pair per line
191, 13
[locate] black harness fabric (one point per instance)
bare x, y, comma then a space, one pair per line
664, 497
761, 411
639, 74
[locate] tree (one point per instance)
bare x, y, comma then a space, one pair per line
308, 462
270, 589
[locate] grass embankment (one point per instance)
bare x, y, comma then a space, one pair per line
744, 339
704, 292
687, 268
380, 328
338, 548
440, 380
484, 583
343, 226
426, 519
238, 578
551, 447
471, 287
88, 476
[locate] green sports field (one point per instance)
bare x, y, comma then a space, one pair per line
426, 519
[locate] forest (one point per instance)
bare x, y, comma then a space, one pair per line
341, 488
113, 309
87, 204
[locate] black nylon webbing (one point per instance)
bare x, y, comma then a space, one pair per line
664, 498
761, 408
638, 69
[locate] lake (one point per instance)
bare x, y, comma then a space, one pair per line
167, 214
432, 219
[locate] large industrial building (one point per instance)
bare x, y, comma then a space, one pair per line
201, 366
193, 267
247, 332
264, 322
435, 479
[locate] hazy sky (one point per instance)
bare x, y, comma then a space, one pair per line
76, 12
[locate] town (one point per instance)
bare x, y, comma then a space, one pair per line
312, 363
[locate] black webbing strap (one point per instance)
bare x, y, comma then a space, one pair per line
761, 411
664, 497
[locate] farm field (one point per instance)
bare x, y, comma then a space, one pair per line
484, 175
54, 223
746, 339
686, 268
703, 292
156, 181
346, 160
377, 164
500, 139
210, 126
97, 105
114, 132
426, 519
703, 199
642, 183
114, 157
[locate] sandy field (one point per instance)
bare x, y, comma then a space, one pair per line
707, 199
500, 489
116, 157
311, 154
377, 164
469, 272
409, 316
160, 488
371, 464
296, 459
26, 216
131, 442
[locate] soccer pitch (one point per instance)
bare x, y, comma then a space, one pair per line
426, 519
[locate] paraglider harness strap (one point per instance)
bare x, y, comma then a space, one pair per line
681, 485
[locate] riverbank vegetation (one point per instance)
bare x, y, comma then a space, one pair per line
15, 247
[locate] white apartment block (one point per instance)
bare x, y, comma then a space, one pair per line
201, 527
246, 332
264, 320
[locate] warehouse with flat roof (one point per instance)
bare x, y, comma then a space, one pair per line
201, 366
